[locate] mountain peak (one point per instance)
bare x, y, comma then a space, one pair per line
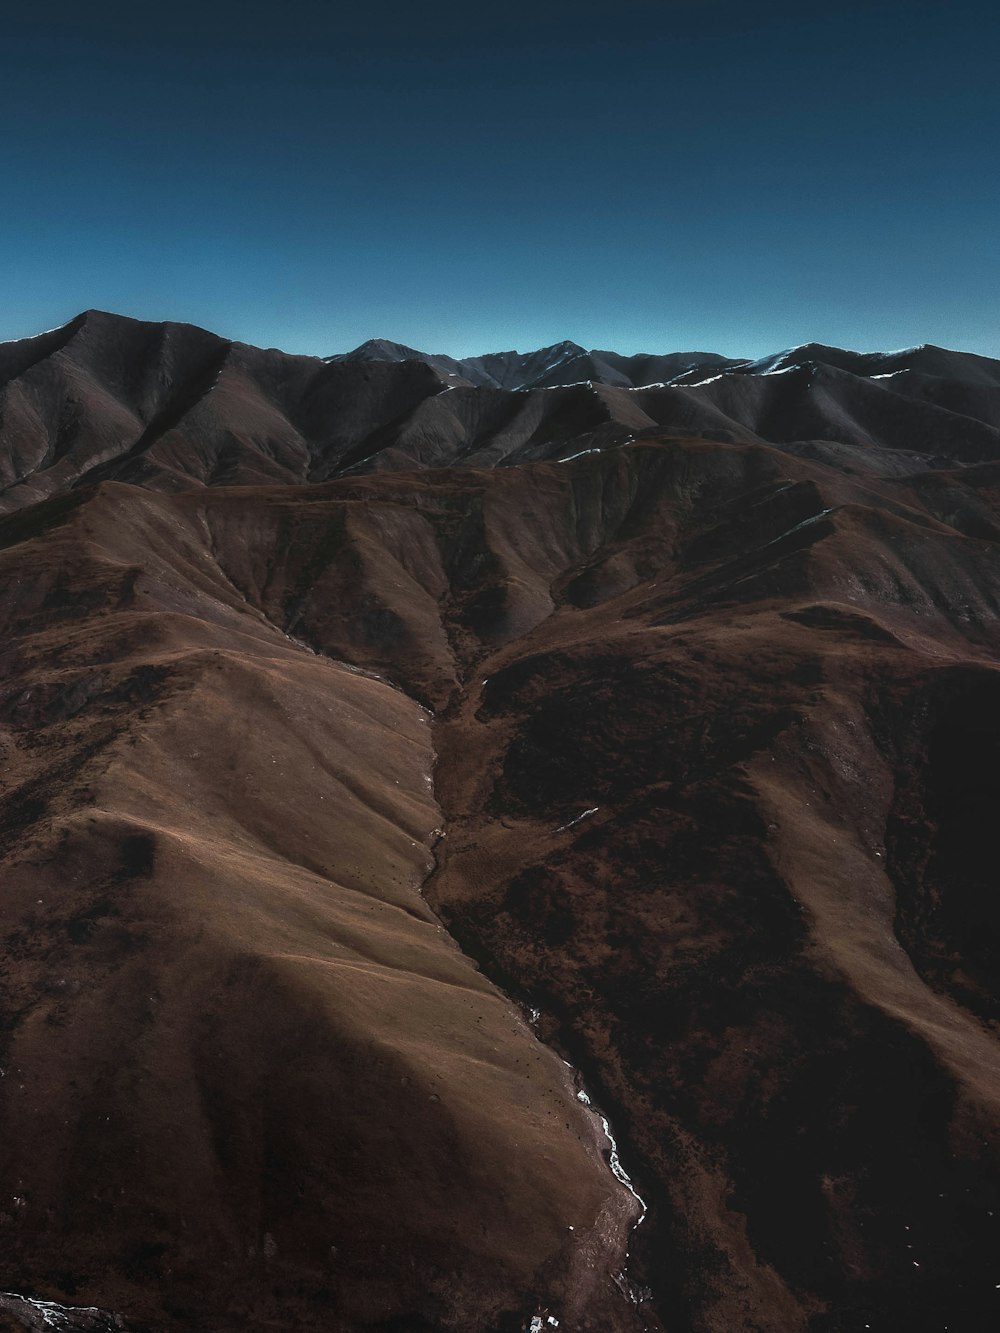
381, 349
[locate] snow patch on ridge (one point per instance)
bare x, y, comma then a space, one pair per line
782, 370
9, 342
594, 808
697, 384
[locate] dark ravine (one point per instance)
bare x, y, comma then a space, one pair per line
373, 744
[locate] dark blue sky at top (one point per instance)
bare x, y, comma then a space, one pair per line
643, 176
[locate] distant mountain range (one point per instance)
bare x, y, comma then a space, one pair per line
172, 406
548, 368
568, 363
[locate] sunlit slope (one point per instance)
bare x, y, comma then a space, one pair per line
248, 1077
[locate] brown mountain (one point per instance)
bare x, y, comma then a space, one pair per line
353, 786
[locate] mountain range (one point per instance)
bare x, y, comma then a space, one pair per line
497, 844
168, 406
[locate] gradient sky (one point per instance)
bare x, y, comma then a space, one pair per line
643, 176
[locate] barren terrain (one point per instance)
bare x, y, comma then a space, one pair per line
394, 751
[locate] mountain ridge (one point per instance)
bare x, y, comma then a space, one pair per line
173, 406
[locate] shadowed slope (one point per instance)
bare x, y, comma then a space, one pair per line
667, 822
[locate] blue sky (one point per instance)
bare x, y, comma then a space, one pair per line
643, 176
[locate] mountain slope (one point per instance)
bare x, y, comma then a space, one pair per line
244, 1062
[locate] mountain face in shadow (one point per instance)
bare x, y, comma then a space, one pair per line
481, 852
